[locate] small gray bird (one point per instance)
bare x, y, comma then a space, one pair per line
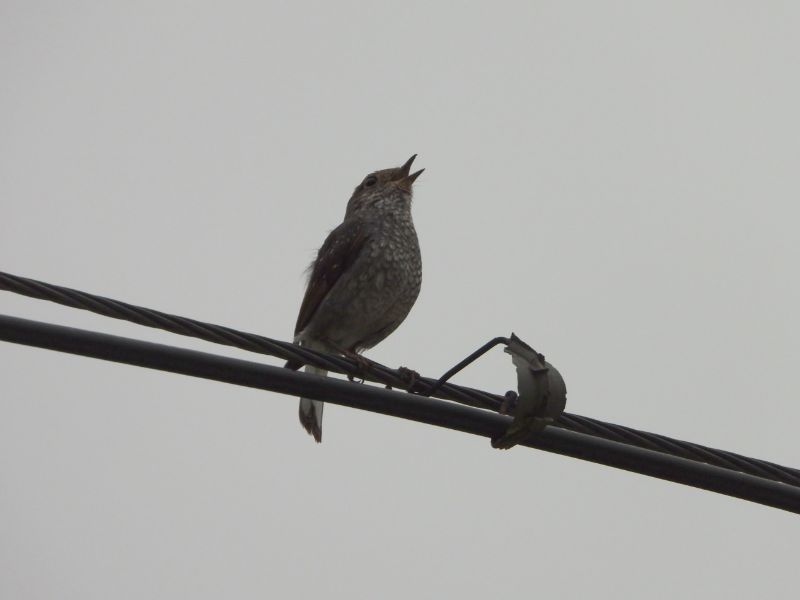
365, 279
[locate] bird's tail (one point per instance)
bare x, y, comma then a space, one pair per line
311, 410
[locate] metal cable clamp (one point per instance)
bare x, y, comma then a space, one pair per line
541, 395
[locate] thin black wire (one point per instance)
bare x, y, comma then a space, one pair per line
386, 376
465, 363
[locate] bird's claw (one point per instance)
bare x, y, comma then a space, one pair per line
364, 365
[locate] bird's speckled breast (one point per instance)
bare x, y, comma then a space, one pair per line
376, 294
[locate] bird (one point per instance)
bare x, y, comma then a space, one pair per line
364, 280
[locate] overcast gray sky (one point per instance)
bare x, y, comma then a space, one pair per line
617, 183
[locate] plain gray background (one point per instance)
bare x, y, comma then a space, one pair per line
617, 183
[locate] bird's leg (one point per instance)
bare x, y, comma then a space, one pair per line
410, 376
364, 364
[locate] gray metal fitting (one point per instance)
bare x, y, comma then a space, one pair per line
541, 398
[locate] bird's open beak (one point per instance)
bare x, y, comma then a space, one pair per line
411, 178
403, 176
403, 171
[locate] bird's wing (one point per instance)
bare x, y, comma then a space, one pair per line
336, 256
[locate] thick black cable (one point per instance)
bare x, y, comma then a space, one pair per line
387, 402
386, 376
231, 337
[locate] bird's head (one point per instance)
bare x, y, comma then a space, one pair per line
387, 187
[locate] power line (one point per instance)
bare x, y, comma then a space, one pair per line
390, 377
407, 406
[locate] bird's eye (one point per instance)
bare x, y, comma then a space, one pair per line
370, 181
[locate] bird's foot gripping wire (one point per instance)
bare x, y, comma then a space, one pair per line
364, 364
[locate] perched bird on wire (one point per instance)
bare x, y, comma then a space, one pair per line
365, 279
